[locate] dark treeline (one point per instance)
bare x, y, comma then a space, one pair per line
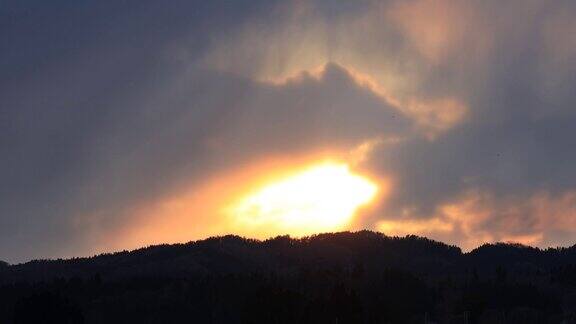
362, 277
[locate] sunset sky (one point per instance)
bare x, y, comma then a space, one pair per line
138, 122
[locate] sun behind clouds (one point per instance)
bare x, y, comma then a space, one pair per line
321, 198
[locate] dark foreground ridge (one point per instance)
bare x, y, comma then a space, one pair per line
362, 277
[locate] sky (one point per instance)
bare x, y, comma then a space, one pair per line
137, 122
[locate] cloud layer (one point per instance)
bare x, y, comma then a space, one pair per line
106, 108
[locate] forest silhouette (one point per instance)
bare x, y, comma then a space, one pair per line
361, 277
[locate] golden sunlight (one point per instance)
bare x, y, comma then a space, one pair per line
321, 198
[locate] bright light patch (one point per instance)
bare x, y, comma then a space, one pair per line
321, 198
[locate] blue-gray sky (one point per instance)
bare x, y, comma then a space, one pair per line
468, 108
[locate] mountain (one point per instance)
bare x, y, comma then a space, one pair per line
361, 277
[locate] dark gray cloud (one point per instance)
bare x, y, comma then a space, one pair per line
516, 144
105, 120
106, 104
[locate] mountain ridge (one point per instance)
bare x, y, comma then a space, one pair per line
233, 253
354, 277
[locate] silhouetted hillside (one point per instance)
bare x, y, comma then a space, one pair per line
362, 277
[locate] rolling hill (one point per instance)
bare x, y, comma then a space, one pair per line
361, 277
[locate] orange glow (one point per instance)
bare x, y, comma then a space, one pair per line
321, 198
220, 204
413, 226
